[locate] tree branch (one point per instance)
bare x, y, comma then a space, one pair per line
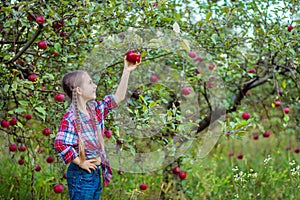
27, 45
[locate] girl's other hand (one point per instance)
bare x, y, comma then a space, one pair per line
88, 165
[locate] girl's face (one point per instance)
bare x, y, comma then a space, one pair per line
87, 89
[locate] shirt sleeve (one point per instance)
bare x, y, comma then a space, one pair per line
65, 141
105, 105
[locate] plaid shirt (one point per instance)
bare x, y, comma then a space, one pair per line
66, 140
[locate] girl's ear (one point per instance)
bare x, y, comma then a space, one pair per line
78, 90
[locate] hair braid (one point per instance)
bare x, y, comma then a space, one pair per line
78, 124
98, 131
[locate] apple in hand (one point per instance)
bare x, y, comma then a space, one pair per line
133, 57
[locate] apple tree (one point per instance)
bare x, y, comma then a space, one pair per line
208, 68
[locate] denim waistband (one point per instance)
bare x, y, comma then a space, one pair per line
73, 166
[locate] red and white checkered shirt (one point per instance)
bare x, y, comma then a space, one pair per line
66, 140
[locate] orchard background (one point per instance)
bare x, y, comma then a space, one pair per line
249, 49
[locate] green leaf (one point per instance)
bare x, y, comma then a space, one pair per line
20, 110
292, 51
41, 110
286, 118
6, 88
23, 103
208, 15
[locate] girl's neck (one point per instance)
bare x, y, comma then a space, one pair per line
82, 106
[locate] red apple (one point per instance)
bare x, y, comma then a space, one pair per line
50, 159
186, 90
245, 116
21, 162
288, 147
279, 92
59, 97
154, 78
55, 54
211, 66
37, 168
176, 170
252, 71
133, 57
192, 54
143, 186
155, 4
4, 123
58, 24
209, 84
62, 34
290, 28
120, 171
255, 137
42, 44
58, 188
13, 147
197, 71
230, 153
286, 110
40, 150
182, 175
277, 103
108, 133
32, 77
13, 121
240, 156
28, 116
40, 20
47, 131
266, 134
198, 59
22, 148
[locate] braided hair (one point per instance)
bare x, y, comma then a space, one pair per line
70, 82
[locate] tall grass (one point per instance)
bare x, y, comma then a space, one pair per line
266, 171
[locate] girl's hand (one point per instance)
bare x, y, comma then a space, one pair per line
88, 165
128, 66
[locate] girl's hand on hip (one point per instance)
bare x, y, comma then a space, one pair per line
88, 165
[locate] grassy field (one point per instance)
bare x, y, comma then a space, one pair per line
267, 170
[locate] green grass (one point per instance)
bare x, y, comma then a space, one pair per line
267, 171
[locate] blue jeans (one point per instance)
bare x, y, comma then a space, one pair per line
83, 185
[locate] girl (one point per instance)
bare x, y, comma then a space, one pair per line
79, 138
